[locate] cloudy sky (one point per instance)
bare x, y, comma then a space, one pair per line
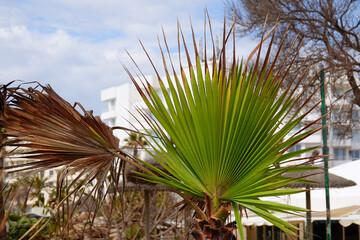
77, 46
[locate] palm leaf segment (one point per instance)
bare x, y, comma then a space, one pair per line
219, 133
57, 135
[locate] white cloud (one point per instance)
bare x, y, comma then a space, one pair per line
76, 45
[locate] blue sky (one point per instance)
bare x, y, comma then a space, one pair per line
77, 46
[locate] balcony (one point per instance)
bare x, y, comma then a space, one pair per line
108, 115
342, 143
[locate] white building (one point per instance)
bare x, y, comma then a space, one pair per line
48, 176
122, 101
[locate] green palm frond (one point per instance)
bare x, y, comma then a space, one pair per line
221, 131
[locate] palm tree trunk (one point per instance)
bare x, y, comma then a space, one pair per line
308, 215
147, 214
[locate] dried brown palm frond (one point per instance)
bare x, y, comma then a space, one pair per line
3, 102
4, 99
56, 134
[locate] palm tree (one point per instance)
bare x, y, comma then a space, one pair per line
134, 141
38, 186
219, 133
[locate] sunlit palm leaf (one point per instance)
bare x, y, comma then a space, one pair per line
222, 133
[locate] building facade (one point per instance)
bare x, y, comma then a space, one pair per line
344, 146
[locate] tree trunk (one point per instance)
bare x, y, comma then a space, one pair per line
147, 214
355, 88
211, 225
308, 215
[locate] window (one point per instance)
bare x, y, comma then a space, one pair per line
338, 134
355, 136
338, 92
51, 173
337, 114
355, 116
354, 154
51, 184
339, 154
112, 105
295, 148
